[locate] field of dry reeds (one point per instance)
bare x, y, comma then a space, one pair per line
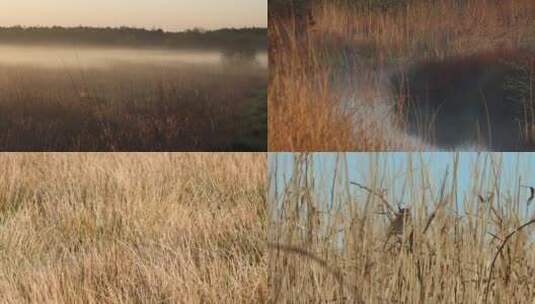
133, 107
382, 230
351, 75
132, 228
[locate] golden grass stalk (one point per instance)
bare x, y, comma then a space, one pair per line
132, 228
456, 248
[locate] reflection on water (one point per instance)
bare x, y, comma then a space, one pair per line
56, 57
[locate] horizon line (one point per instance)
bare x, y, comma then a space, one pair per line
200, 29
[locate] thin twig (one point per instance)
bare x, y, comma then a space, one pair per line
495, 236
380, 196
337, 274
498, 253
439, 205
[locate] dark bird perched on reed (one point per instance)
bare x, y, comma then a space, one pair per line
400, 222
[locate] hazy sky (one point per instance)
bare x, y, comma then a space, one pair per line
512, 166
166, 14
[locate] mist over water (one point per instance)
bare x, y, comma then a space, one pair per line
263, 59
94, 57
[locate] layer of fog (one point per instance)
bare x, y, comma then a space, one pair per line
92, 57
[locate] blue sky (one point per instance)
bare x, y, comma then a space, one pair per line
392, 172
166, 14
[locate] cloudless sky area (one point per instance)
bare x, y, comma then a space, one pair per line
392, 170
170, 15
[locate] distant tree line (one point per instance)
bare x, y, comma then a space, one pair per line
249, 40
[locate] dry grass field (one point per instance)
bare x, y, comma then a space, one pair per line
133, 107
466, 234
132, 228
350, 75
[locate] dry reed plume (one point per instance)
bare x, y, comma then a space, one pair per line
327, 238
132, 228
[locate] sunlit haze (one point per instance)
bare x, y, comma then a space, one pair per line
170, 15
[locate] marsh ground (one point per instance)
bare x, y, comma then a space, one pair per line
105, 99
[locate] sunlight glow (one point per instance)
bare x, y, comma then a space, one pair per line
170, 15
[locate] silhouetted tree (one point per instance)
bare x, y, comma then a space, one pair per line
247, 38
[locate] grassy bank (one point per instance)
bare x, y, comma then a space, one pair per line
330, 78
